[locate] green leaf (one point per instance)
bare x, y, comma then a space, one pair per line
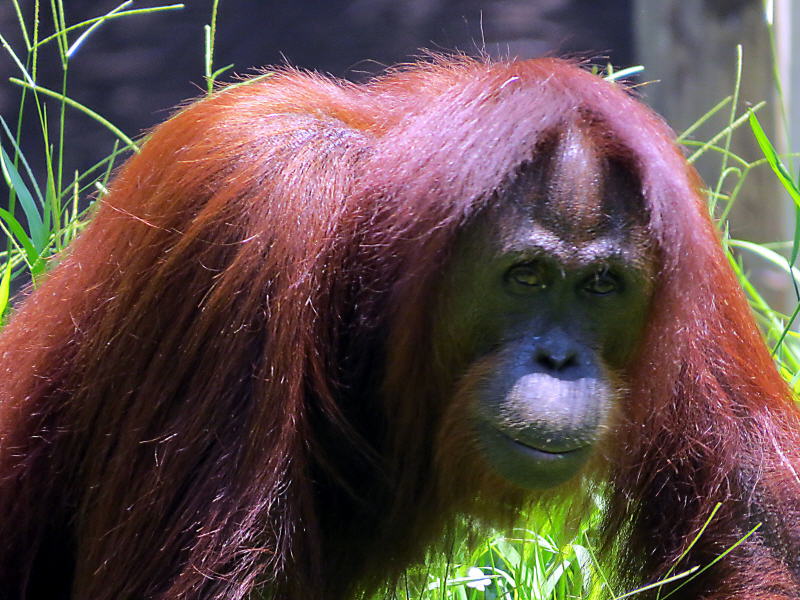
18, 153
773, 159
554, 577
5, 287
39, 235
19, 234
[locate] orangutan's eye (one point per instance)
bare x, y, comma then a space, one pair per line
602, 283
527, 277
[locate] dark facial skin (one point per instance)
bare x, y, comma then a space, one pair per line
548, 296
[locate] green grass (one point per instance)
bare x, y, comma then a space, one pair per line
542, 559
52, 212
546, 558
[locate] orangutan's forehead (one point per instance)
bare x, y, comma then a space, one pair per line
574, 188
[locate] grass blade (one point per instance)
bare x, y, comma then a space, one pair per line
38, 235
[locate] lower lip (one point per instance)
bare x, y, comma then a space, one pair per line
538, 453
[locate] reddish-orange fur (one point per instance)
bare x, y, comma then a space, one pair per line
230, 380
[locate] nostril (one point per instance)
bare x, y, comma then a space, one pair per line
556, 362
